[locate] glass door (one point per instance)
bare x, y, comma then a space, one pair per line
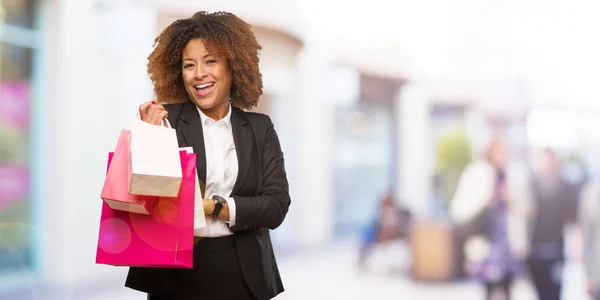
17, 50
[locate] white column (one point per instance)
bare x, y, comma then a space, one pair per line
280, 82
312, 190
94, 86
415, 163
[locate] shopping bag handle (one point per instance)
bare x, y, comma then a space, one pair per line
162, 122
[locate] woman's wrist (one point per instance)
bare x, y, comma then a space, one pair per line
209, 206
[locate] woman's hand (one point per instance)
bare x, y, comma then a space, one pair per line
209, 207
153, 113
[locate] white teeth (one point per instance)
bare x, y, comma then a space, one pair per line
204, 85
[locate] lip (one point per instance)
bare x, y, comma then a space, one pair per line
203, 92
202, 83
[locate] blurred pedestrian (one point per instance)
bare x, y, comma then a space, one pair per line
390, 224
555, 205
589, 217
491, 208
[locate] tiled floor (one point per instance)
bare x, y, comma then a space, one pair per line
331, 274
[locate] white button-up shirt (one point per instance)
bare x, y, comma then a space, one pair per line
221, 171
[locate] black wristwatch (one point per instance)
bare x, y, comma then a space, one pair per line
219, 202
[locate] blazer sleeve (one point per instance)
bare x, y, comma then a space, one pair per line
270, 207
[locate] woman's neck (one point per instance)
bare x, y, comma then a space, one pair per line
218, 112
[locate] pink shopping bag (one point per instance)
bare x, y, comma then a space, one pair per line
115, 191
164, 239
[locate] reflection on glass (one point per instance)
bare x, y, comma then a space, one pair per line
18, 12
15, 80
15, 62
362, 164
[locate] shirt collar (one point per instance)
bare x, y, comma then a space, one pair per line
227, 119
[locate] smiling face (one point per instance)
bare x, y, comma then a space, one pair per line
207, 78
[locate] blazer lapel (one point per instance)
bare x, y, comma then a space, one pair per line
191, 128
243, 139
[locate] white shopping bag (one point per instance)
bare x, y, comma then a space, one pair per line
199, 217
155, 160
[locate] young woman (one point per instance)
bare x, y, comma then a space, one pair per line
205, 70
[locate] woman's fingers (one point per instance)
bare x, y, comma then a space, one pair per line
163, 116
152, 113
155, 116
143, 109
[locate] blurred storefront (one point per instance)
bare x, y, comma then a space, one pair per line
19, 53
366, 150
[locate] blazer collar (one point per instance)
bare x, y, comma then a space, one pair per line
191, 129
243, 138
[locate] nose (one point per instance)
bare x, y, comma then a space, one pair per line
201, 71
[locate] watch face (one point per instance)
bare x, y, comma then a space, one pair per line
219, 199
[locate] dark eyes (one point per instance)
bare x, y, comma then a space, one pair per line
190, 65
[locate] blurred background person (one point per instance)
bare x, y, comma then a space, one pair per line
589, 219
391, 223
490, 220
555, 202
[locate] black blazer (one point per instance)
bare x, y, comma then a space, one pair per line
261, 197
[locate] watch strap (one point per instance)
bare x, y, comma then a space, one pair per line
219, 202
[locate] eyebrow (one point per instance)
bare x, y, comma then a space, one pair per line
205, 56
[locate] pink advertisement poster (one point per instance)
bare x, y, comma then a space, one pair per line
14, 103
14, 184
14, 113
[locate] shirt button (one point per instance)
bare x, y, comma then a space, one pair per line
245, 226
